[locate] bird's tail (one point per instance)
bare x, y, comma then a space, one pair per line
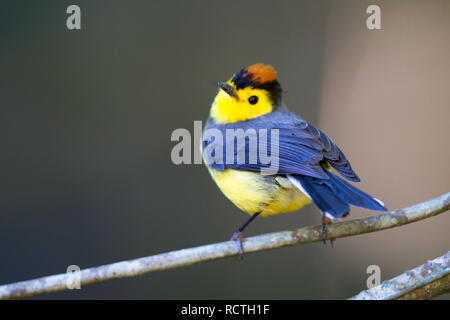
334, 195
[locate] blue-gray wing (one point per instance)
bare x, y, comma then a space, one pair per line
302, 148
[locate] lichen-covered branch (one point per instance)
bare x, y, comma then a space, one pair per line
428, 291
424, 282
221, 250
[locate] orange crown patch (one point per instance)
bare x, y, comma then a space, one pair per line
262, 73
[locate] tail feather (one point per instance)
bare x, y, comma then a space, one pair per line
353, 195
334, 195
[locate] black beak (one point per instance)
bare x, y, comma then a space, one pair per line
228, 89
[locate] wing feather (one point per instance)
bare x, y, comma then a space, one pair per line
302, 148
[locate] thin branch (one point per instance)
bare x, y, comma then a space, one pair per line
222, 250
428, 291
424, 282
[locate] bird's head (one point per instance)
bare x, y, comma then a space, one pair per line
250, 93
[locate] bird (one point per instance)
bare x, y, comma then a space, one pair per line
311, 168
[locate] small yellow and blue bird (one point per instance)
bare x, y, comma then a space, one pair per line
252, 99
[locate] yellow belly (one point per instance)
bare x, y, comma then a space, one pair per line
252, 192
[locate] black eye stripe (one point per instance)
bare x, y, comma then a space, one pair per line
253, 99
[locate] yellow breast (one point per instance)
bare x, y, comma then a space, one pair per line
252, 192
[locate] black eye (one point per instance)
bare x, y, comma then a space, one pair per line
253, 99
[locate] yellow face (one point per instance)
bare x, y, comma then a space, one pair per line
247, 103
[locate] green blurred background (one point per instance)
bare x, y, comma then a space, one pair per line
86, 118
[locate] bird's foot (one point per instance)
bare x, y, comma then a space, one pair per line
237, 236
324, 232
325, 222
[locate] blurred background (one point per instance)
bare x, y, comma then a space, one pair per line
86, 118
